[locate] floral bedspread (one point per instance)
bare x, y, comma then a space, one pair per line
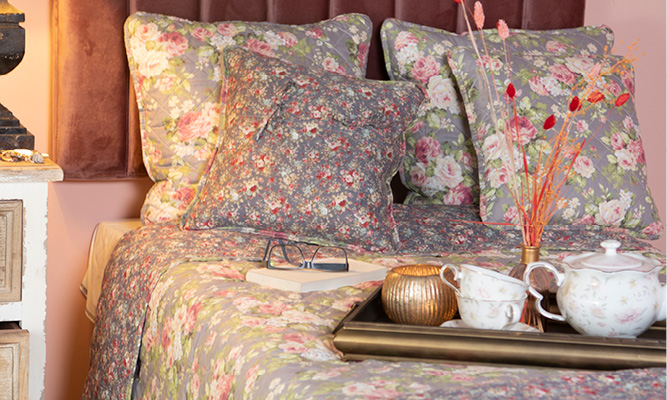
176, 319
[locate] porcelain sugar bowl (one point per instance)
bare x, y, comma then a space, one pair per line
606, 294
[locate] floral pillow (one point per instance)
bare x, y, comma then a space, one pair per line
440, 161
607, 185
174, 66
307, 154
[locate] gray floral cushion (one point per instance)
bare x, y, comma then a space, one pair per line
174, 66
607, 185
440, 161
307, 155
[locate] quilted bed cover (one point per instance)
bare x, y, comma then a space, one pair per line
176, 319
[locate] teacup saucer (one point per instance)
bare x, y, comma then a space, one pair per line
518, 327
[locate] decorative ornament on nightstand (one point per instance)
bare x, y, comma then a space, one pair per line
13, 135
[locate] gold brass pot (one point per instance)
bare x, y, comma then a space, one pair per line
415, 295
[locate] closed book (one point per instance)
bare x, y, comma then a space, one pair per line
308, 280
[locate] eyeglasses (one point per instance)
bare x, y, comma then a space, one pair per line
289, 256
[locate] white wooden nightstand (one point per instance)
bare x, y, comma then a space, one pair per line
23, 219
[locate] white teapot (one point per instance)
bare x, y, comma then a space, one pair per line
606, 294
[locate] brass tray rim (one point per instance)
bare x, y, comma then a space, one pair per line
350, 327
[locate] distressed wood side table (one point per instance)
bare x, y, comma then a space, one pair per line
23, 219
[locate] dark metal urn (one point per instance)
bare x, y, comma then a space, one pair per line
12, 47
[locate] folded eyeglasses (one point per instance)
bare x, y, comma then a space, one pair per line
289, 256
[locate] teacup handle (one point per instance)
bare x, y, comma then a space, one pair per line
538, 297
456, 271
514, 313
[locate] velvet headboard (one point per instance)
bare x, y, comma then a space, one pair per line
94, 118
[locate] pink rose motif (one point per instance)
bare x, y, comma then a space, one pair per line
427, 148
424, 68
636, 148
655, 228
259, 47
491, 147
582, 126
526, 129
227, 30
628, 123
191, 316
614, 89
554, 46
273, 308
580, 64
403, 39
332, 65
617, 141
563, 74
362, 54
611, 213
185, 195
145, 33
459, 195
297, 337
202, 34
289, 38
537, 86
166, 82
152, 63
586, 220
584, 166
417, 176
468, 160
497, 176
626, 160
511, 215
447, 172
193, 125
175, 43
315, 33
628, 81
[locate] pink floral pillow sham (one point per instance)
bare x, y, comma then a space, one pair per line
607, 185
440, 162
174, 66
307, 155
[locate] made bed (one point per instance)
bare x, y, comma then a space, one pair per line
223, 109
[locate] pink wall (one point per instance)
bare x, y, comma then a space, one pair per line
75, 208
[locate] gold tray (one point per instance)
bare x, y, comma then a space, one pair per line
367, 333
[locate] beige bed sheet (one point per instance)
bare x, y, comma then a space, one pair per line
105, 237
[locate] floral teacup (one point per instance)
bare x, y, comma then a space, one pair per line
484, 284
490, 314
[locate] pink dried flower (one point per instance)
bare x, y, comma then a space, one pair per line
503, 29
479, 15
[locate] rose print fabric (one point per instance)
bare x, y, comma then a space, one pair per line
440, 161
176, 76
177, 302
307, 154
607, 185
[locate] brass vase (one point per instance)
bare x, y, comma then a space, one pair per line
529, 254
539, 280
415, 295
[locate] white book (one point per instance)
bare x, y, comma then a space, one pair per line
308, 280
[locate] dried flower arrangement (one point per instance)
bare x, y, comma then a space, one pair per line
535, 171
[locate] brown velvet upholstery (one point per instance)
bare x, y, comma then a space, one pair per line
95, 129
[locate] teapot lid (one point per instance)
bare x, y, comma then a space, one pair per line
611, 260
